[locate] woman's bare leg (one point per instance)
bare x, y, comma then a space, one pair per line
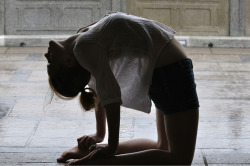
141, 144
181, 133
161, 131
182, 130
129, 146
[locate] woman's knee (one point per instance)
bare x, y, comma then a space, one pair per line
176, 159
163, 145
182, 159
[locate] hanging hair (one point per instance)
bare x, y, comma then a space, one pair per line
87, 98
67, 83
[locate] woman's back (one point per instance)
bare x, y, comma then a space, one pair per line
130, 45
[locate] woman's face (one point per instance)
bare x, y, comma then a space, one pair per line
56, 57
60, 53
56, 54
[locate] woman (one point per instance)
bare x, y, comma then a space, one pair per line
129, 61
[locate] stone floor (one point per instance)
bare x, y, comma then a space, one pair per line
34, 131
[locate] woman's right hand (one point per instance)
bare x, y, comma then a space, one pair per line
74, 153
87, 141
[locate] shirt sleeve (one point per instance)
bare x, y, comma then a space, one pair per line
93, 57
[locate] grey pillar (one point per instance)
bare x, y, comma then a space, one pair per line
237, 17
2, 17
119, 5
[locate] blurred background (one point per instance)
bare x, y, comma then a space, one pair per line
199, 23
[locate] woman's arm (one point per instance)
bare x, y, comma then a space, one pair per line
113, 119
88, 140
100, 115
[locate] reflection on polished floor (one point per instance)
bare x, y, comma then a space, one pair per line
34, 131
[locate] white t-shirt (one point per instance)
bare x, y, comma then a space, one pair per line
120, 52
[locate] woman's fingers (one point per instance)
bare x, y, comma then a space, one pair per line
74, 153
79, 161
66, 156
81, 143
61, 160
86, 142
90, 141
80, 138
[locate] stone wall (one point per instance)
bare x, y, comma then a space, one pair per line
247, 16
34, 22
45, 17
2, 17
187, 17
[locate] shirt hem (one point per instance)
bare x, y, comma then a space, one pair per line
111, 101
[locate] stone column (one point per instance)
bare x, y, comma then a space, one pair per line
119, 5
2, 17
237, 17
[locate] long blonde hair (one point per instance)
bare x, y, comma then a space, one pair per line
67, 83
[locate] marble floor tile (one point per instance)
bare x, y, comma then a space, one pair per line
217, 91
32, 158
241, 77
36, 127
224, 109
63, 133
13, 57
200, 51
34, 57
229, 51
38, 75
229, 164
126, 112
3, 49
21, 50
43, 58
198, 158
23, 65
20, 75
227, 143
224, 130
217, 58
235, 66
245, 58
6, 75
227, 156
6, 105
145, 128
215, 76
243, 90
15, 132
23, 89
206, 66
23, 108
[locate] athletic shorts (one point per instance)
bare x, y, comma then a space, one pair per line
173, 87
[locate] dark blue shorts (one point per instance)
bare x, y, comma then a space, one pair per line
173, 88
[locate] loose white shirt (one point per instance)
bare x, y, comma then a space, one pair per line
120, 52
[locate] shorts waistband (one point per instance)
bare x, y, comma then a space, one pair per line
179, 64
